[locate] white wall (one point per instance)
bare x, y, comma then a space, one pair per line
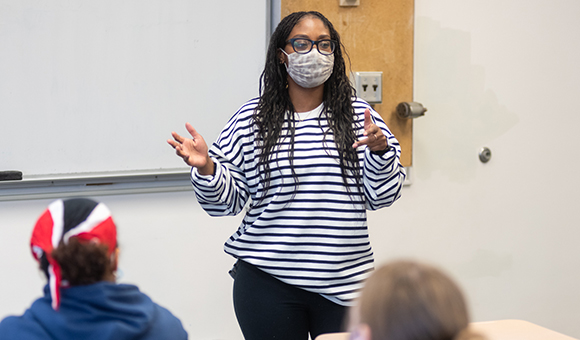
501, 74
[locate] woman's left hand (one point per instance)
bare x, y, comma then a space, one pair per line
376, 140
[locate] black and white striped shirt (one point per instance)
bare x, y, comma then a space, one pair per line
311, 233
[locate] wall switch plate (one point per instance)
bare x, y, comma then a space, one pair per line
369, 86
349, 2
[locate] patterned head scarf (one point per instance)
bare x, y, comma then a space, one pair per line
85, 219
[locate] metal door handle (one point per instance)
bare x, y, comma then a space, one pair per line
410, 110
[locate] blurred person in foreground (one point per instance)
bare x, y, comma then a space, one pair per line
408, 300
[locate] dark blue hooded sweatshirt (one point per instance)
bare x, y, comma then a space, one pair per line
99, 311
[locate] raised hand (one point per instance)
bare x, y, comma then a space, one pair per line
193, 150
376, 140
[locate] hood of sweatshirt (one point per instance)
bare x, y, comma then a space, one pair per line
102, 310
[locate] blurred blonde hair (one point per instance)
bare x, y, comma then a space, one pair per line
408, 300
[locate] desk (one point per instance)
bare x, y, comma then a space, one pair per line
333, 336
493, 330
516, 330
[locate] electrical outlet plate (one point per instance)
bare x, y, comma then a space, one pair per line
349, 3
369, 86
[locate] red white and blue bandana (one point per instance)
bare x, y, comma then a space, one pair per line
82, 218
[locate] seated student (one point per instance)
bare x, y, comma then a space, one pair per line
406, 300
75, 243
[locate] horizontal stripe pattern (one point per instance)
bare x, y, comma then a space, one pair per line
309, 231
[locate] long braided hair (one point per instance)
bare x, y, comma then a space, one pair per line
275, 107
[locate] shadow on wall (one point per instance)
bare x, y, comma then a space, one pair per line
463, 115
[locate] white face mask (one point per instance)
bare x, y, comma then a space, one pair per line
311, 69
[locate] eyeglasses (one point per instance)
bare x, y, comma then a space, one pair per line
303, 46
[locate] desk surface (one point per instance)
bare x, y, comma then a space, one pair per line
516, 330
333, 336
494, 330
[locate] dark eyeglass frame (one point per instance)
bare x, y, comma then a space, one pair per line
312, 43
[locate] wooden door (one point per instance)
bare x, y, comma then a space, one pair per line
378, 36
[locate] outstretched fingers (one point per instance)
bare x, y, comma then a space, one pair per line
375, 139
191, 130
364, 141
176, 141
368, 120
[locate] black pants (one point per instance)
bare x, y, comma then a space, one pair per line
268, 308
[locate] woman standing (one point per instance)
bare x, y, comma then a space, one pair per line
308, 159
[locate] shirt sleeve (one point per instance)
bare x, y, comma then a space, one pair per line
383, 174
226, 192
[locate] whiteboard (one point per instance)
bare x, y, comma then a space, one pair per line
96, 87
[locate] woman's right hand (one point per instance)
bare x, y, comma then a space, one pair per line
193, 150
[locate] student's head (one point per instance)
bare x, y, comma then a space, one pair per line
75, 243
407, 300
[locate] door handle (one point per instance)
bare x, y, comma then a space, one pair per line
410, 110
